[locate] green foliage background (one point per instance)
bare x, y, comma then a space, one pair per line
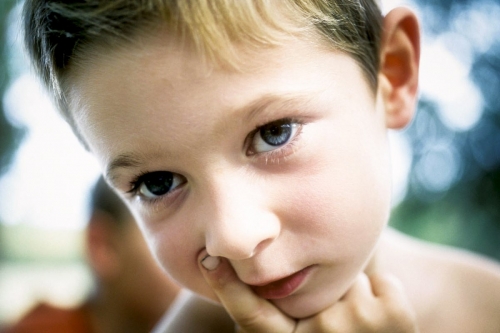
10, 136
467, 214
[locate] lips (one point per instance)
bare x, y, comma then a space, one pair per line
283, 287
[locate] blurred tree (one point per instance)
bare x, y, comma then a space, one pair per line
467, 213
10, 136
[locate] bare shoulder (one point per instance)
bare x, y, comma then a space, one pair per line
452, 290
475, 280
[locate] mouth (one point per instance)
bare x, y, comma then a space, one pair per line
283, 287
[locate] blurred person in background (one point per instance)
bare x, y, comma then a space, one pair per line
131, 292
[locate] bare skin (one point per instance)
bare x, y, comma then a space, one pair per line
315, 205
450, 290
372, 304
441, 290
436, 289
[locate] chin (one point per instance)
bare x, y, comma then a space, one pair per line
300, 308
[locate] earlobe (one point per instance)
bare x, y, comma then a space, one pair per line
399, 65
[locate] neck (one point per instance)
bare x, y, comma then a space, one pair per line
376, 261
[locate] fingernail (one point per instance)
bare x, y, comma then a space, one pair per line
210, 263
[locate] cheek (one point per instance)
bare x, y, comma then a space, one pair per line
176, 248
343, 201
333, 216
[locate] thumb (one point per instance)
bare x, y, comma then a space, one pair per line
250, 312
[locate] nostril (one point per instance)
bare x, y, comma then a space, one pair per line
230, 250
262, 245
243, 236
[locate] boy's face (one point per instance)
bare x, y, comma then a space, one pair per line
308, 193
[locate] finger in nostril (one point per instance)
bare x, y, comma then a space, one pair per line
209, 262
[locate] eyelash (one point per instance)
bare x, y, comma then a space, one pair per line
279, 154
274, 156
134, 191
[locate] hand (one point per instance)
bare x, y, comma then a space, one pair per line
251, 313
375, 304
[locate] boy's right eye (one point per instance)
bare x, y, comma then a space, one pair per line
156, 184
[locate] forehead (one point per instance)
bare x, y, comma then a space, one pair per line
162, 85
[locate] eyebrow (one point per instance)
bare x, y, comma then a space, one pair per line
267, 101
247, 113
121, 161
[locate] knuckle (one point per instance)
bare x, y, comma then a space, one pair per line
324, 322
399, 317
362, 312
371, 317
248, 320
404, 317
252, 321
332, 320
399, 308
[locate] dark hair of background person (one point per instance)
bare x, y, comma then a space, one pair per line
102, 198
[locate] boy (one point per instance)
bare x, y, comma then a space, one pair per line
249, 137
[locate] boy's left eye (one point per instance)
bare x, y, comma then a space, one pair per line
273, 135
153, 185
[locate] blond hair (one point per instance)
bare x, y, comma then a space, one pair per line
58, 33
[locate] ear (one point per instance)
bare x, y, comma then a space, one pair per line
102, 254
399, 65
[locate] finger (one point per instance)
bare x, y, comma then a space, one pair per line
346, 314
341, 316
390, 291
386, 285
334, 319
250, 312
361, 288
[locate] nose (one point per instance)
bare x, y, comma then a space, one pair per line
241, 222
